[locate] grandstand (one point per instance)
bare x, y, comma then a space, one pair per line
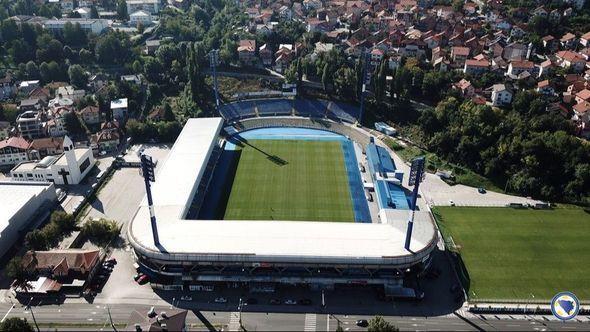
318, 254
310, 108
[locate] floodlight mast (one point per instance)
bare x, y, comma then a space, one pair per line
365, 57
214, 62
416, 172
147, 168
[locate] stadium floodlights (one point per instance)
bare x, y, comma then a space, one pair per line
147, 168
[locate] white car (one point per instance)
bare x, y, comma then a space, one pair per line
290, 302
186, 298
451, 202
221, 300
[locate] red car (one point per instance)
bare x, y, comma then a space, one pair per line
143, 279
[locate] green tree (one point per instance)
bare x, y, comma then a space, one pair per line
101, 231
122, 10
32, 70
36, 240
16, 271
16, 324
345, 82
153, 70
378, 324
78, 77
65, 221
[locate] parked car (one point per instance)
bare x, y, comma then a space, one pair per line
451, 202
362, 323
143, 280
290, 302
186, 298
137, 276
112, 261
220, 300
304, 302
481, 190
274, 301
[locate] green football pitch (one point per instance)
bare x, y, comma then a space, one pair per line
290, 180
520, 253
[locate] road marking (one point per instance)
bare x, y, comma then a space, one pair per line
234, 321
328, 322
310, 320
7, 313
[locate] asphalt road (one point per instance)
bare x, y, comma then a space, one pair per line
95, 317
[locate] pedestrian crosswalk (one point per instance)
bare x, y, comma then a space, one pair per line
234, 321
310, 322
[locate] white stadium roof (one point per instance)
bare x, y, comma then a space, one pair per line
261, 241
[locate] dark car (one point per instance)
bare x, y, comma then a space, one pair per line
304, 302
362, 323
481, 190
143, 280
275, 301
251, 301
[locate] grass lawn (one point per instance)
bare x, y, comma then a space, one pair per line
302, 180
513, 253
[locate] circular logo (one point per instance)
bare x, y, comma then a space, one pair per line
565, 306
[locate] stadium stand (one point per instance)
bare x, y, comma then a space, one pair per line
389, 194
273, 107
238, 110
342, 111
311, 108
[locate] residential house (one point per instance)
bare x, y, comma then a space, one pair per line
150, 6
108, 138
13, 150
27, 86
151, 46
459, 55
585, 39
550, 43
583, 96
517, 67
283, 57
7, 87
266, 55
464, 86
70, 93
30, 124
567, 59
568, 41
31, 104
63, 264
90, 115
247, 51
501, 95
544, 87
42, 147
140, 16
119, 109
56, 125
95, 26
5, 129
476, 67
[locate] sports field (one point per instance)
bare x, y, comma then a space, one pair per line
521, 253
290, 180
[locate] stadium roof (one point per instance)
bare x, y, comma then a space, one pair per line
14, 195
260, 241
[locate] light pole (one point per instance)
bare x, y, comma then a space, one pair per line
241, 305
32, 314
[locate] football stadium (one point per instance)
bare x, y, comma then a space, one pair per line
277, 192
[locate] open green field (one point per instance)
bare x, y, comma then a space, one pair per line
518, 253
290, 180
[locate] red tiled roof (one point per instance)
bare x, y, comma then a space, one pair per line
15, 142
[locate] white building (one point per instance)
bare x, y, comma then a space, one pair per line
68, 168
119, 108
13, 151
70, 93
140, 16
30, 124
56, 126
501, 95
22, 202
95, 26
150, 6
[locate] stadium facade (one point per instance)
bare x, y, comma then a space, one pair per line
193, 254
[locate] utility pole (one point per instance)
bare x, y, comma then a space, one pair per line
111, 319
32, 314
241, 305
416, 172
364, 84
148, 171
214, 62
